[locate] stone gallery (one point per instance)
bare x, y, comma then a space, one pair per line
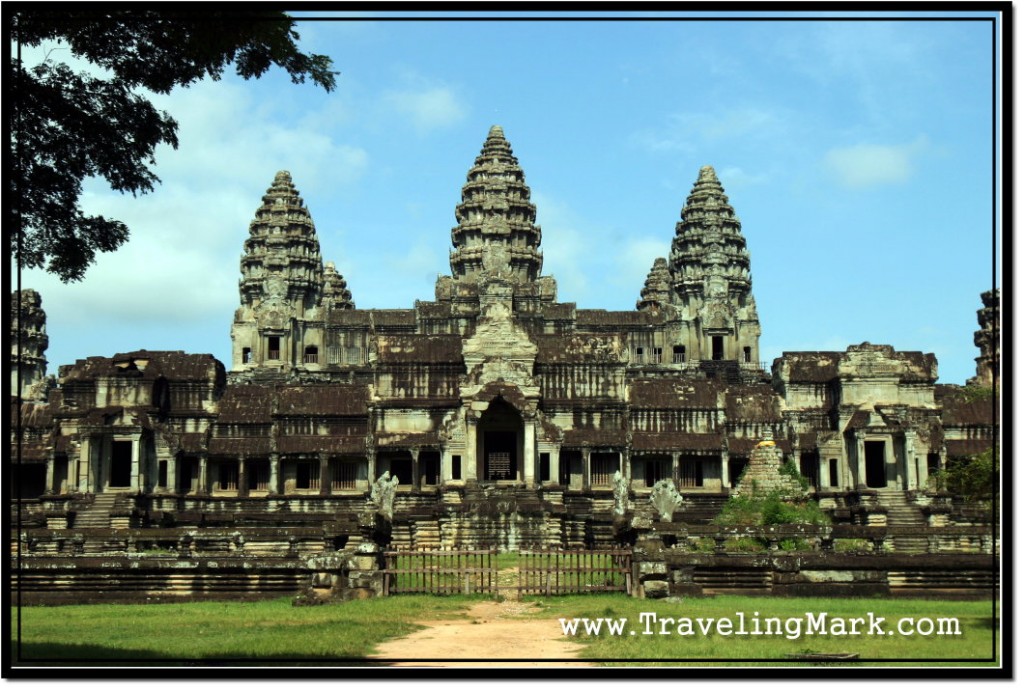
491, 415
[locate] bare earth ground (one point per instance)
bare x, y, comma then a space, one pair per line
493, 632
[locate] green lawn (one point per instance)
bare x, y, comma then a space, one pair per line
974, 643
209, 630
275, 630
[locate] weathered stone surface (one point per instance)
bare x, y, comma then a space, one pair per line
764, 474
665, 499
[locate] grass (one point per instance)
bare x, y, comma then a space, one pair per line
259, 631
275, 632
975, 619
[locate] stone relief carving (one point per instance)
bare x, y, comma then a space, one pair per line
665, 499
382, 495
620, 491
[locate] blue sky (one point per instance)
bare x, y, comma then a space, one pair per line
857, 154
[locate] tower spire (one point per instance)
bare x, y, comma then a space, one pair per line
496, 220
282, 253
710, 266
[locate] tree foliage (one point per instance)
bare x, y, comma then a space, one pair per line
974, 478
66, 126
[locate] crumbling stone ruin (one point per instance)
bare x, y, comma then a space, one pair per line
987, 340
498, 416
764, 474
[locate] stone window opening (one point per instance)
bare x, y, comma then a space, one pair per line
656, 356
746, 353
691, 471
545, 467
639, 354
307, 475
246, 356
833, 472
311, 356
346, 474
678, 354
602, 468
430, 468
655, 469
273, 347
457, 467
227, 477
257, 476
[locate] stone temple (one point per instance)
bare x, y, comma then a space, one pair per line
503, 413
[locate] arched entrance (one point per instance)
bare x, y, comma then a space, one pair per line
500, 443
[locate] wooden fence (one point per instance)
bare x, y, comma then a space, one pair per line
440, 572
548, 572
565, 572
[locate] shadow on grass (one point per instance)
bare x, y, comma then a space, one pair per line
70, 654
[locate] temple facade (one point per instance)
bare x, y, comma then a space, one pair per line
503, 413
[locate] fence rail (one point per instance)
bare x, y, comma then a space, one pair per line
560, 573
540, 572
440, 572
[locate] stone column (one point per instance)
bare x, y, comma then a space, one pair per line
586, 468
415, 453
556, 469
862, 471
724, 471
325, 477
371, 467
204, 487
243, 477
910, 460
99, 469
172, 473
50, 462
529, 453
274, 487
137, 473
469, 460
823, 479
627, 466
675, 467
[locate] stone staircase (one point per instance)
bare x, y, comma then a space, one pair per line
727, 371
97, 514
903, 514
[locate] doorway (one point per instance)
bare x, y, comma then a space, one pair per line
874, 463
717, 348
121, 464
499, 446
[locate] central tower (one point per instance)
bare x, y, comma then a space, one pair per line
710, 269
496, 214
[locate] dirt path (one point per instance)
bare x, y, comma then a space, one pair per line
494, 631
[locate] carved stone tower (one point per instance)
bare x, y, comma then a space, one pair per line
987, 340
30, 361
282, 281
496, 210
711, 273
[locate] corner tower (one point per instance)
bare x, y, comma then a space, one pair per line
710, 268
28, 330
284, 290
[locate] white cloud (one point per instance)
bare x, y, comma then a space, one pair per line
866, 165
427, 108
684, 131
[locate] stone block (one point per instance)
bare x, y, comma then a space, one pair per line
651, 568
656, 589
